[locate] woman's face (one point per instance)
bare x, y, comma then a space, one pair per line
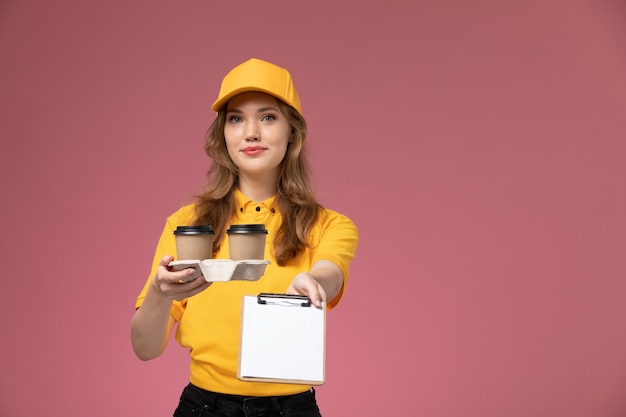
256, 133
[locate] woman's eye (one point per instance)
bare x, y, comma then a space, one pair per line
234, 119
269, 117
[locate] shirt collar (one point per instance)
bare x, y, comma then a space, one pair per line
243, 200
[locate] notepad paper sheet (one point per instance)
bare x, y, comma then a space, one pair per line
282, 341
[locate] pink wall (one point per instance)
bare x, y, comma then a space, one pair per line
480, 147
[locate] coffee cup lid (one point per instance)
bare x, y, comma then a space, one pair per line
246, 228
193, 230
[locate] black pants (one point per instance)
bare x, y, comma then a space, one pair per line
196, 402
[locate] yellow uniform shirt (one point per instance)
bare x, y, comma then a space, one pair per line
209, 322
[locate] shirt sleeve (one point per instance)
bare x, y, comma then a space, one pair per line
338, 240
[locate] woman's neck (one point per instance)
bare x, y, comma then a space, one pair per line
257, 188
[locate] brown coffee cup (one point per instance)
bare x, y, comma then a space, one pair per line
194, 242
246, 241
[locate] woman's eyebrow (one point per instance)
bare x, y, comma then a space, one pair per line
261, 110
264, 109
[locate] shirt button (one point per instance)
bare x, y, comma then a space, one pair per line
241, 209
258, 208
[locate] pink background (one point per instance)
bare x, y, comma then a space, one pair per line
479, 146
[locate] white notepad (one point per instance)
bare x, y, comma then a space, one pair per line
282, 340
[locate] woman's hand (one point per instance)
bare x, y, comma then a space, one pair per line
322, 283
305, 284
152, 323
175, 285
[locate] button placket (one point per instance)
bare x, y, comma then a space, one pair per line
260, 214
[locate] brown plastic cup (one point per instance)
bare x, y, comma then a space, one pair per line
246, 241
194, 242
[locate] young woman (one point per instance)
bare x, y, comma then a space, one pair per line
258, 175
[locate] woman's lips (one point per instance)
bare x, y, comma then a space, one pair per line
253, 150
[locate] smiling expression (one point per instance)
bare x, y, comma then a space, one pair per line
256, 133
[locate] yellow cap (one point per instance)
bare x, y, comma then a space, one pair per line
258, 75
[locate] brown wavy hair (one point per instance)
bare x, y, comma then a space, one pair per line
296, 201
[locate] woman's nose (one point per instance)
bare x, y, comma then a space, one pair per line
252, 132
